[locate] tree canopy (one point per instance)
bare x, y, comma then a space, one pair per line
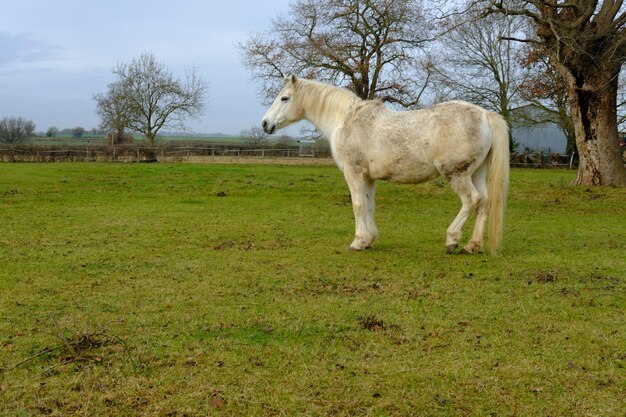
373, 47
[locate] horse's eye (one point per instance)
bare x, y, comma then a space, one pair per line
284, 98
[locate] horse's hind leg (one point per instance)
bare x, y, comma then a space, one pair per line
479, 178
470, 197
362, 191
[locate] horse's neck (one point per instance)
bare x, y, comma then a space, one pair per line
327, 106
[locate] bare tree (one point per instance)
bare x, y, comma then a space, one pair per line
113, 109
15, 130
586, 43
374, 47
155, 99
478, 66
255, 135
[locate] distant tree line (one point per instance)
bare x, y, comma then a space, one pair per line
75, 132
17, 130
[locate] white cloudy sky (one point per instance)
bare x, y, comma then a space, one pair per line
56, 54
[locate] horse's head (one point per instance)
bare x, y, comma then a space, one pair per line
286, 108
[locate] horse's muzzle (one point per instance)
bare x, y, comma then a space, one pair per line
267, 128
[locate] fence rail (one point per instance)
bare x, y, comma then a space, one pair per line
543, 160
174, 153
130, 153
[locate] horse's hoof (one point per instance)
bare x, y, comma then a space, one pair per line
451, 248
470, 249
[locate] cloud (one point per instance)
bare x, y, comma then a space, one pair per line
24, 48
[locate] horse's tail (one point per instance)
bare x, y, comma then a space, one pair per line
498, 183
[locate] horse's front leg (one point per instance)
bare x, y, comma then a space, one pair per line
362, 190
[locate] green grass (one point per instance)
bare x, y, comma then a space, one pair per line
192, 290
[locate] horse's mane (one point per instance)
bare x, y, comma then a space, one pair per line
325, 100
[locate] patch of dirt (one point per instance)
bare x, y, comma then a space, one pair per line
544, 277
555, 201
82, 347
593, 195
249, 245
374, 323
419, 292
568, 291
79, 347
341, 288
217, 400
371, 322
597, 278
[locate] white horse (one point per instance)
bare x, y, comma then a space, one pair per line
465, 143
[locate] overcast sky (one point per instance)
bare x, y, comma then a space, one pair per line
56, 54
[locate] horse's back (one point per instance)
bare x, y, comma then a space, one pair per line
456, 130
417, 145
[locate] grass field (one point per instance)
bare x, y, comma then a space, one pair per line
197, 289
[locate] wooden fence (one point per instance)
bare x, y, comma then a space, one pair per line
135, 153
542, 160
174, 153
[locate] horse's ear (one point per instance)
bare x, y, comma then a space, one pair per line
293, 79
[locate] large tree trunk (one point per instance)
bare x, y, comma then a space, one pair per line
593, 107
120, 135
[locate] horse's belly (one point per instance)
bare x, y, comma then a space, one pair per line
403, 171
